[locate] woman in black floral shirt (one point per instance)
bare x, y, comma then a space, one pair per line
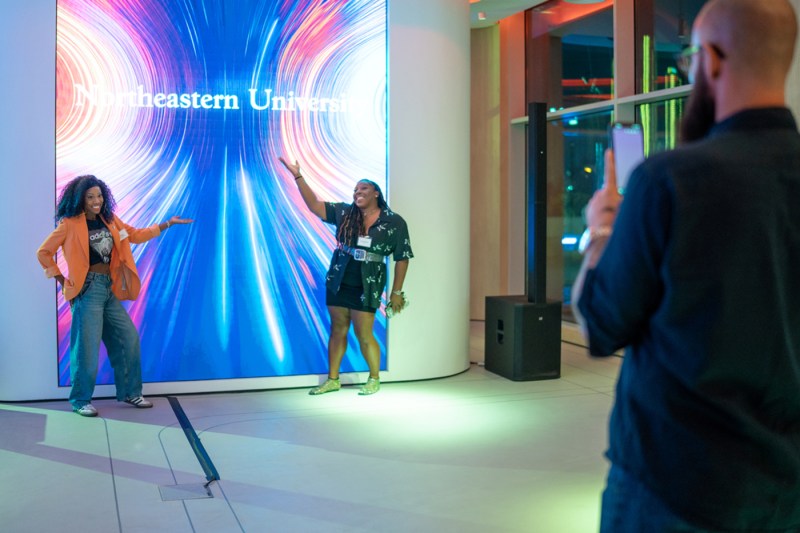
367, 231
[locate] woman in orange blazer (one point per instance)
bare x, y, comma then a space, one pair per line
96, 245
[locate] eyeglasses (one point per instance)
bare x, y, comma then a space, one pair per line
684, 58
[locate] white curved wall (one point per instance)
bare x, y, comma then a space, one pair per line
429, 185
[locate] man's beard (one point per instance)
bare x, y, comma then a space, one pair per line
700, 110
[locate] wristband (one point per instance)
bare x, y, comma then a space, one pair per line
591, 234
298, 177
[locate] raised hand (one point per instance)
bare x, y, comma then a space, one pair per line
178, 220
293, 168
603, 207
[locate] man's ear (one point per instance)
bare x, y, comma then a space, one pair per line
713, 62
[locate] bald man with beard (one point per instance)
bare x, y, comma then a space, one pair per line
697, 274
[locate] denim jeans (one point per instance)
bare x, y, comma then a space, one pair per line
629, 507
98, 315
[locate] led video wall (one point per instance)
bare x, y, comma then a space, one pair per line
183, 108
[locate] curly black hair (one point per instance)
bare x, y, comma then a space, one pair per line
353, 223
72, 200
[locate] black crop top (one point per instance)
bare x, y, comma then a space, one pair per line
100, 242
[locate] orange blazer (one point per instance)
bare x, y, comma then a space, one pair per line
72, 235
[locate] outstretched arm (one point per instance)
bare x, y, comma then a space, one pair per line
174, 220
140, 235
314, 204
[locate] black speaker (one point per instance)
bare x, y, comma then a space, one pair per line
523, 339
523, 333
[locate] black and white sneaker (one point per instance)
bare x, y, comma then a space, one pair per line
86, 410
139, 402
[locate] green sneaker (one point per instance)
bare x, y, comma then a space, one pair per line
370, 387
330, 385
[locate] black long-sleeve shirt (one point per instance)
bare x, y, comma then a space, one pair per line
701, 282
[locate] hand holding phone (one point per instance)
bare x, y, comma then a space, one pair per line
627, 142
601, 211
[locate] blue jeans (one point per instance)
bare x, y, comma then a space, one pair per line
629, 507
98, 315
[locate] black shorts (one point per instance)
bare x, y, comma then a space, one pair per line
350, 291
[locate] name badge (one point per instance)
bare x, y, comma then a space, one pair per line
366, 242
123, 234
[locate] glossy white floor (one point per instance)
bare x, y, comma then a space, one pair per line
469, 453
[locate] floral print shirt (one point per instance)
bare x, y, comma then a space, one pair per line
389, 236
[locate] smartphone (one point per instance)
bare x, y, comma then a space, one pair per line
627, 141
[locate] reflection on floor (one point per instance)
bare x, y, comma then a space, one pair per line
469, 453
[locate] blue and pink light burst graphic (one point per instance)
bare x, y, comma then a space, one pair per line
183, 107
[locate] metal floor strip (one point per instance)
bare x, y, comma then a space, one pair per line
190, 491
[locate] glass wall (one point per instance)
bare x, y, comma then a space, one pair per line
659, 122
573, 46
583, 140
663, 28
570, 53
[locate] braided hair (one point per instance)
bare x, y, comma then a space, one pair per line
353, 222
72, 200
